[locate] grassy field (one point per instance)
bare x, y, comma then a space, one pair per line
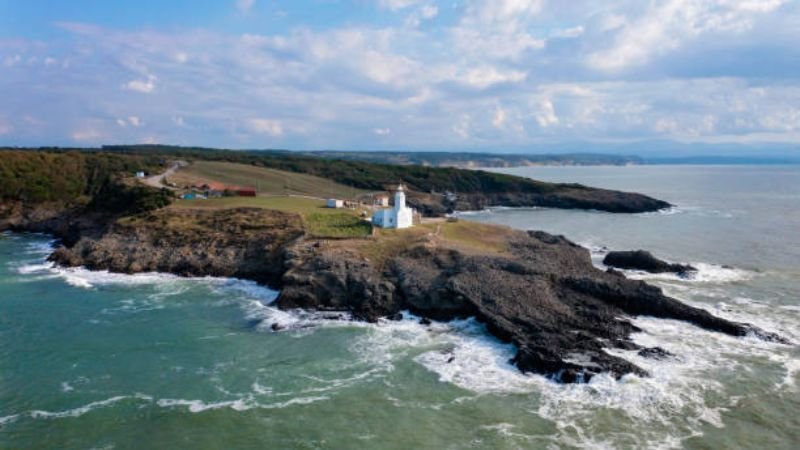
341, 225
266, 181
479, 237
322, 222
319, 221
299, 205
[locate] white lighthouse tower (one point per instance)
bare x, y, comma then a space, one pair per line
398, 216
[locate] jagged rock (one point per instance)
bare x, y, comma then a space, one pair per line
644, 260
544, 295
657, 353
541, 292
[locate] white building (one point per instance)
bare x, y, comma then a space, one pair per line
398, 216
334, 203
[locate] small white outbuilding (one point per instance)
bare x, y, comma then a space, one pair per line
398, 216
334, 203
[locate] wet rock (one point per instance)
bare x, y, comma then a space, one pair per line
544, 295
644, 260
656, 353
541, 292
395, 317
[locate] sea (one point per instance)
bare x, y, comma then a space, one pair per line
95, 360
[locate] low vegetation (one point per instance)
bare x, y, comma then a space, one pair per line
65, 175
359, 174
337, 226
266, 181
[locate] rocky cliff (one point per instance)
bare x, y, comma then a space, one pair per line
539, 291
542, 294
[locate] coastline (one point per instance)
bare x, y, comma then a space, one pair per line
432, 275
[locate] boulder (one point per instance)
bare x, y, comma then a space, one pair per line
644, 260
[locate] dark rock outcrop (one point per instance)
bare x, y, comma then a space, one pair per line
657, 353
569, 197
540, 292
245, 243
543, 295
644, 260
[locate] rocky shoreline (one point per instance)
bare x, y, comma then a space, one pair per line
538, 291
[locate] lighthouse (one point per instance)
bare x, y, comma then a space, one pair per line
398, 216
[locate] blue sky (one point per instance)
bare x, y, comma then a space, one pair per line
503, 75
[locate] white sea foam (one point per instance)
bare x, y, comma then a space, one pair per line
666, 408
79, 411
700, 211
197, 406
239, 404
28, 269
8, 419
706, 273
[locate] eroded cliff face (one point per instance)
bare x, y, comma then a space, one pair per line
244, 243
543, 294
539, 291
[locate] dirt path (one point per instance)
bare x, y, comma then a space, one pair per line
158, 181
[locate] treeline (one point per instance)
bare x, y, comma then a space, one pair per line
469, 159
359, 174
71, 175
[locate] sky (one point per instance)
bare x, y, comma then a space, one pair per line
490, 75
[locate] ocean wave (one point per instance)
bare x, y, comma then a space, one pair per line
700, 211
8, 419
81, 410
240, 404
666, 408
705, 273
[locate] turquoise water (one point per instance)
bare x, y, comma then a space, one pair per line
98, 360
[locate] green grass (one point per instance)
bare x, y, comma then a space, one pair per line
338, 225
299, 205
266, 181
480, 237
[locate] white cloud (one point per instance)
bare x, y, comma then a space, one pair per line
571, 32
11, 61
486, 76
497, 29
425, 12
477, 77
499, 118
244, 6
546, 116
86, 135
5, 128
504, 11
133, 121
462, 128
667, 25
396, 5
265, 126
143, 86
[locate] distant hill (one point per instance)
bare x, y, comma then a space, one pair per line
475, 160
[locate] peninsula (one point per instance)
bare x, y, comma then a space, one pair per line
538, 291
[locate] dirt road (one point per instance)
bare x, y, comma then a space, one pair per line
158, 181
